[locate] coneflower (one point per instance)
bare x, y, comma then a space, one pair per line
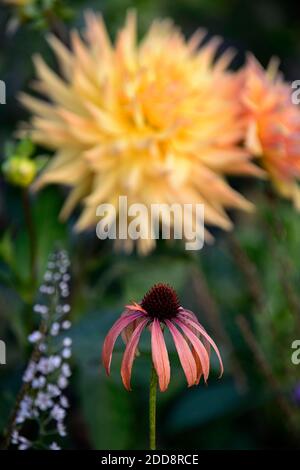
160, 309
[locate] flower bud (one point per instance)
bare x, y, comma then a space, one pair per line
19, 171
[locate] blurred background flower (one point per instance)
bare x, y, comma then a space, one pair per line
273, 126
157, 122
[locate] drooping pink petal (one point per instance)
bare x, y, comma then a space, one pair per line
198, 365
112, 336
189, 314
129, 354
198, 346
201, 330
184, 353
160, 355
136, 307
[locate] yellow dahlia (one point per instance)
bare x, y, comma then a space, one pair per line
272, 126
157, 122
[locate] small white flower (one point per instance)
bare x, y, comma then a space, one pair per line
66, 325
35, 337
24, 446
43, 401
58, 413
48, 276
62, 382
44, 366
65, 369
55, 329
15, 437
42, 347
67, 342
54, 446
57, 276
29, 372
66, 308
61, 429
55, 361
42, 309
53, 390
39, 382
64, 401
66, 353
25, 410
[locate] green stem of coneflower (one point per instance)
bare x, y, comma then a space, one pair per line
152, 408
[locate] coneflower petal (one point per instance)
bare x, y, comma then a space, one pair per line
198, 346
192, 316
201, 330
160, 355
184, 353
112, 336
129, 354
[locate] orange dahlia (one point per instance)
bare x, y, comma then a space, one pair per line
156, 121
272, 126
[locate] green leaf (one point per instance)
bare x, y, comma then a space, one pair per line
106, 405
203, 404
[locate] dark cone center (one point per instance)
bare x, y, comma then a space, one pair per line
161, 302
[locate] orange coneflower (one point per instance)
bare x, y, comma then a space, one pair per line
159, 309
272, 126
156, 121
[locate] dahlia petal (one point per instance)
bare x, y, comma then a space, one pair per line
201, 330
184, 353
63, 54
112, 336
53, 85
129, 354
97, 34
75, 195
198, 346
160, 355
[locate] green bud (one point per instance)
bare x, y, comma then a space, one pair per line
19, 171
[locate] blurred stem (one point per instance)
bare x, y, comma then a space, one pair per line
266, 370
152, 408
31, 236
210, 309
249, 271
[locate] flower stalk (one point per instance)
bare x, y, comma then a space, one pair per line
152, 408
